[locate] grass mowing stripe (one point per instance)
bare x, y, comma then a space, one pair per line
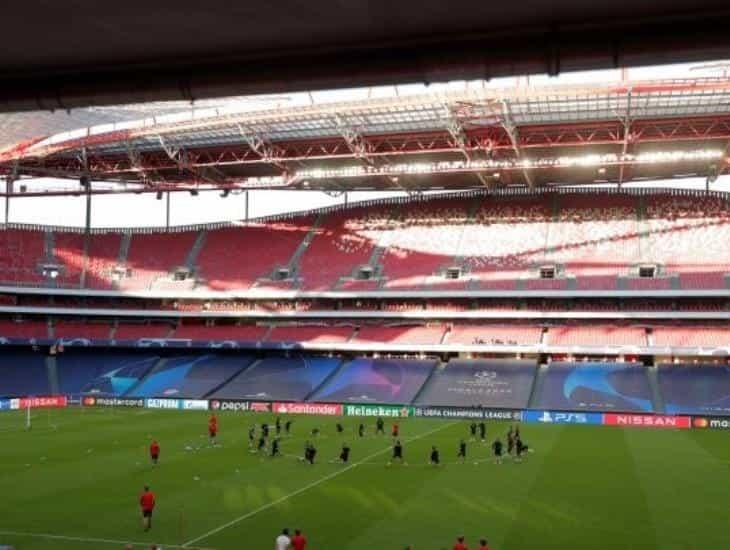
93, 540
305, 488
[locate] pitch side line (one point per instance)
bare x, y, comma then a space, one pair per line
303, 489
93, 540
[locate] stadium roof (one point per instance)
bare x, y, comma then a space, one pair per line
62, 55
475, 136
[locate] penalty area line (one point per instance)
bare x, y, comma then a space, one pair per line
92, 540
301, 490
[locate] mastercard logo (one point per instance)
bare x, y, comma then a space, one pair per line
700, 423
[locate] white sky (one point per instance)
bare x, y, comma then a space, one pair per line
145, 211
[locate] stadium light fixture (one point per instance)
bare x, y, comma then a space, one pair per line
225, 193
598, 161
193, 192
159, 196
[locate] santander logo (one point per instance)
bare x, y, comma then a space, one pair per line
322, 409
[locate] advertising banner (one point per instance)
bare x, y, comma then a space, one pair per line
392, 411
163, 403
4, 404
321, 409
46, 402
90, 401
647, 421
712, 422
465, 412
195, 404
237, 405
558, 417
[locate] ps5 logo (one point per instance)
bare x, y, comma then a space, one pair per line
563, 418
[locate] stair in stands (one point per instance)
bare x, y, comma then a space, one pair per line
124, 248
652, 374
52, 370
293, 264
156, 367
327, 379
234, 375
537, 383
49, 245
437, 367
195, 251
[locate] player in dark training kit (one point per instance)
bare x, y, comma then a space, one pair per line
497, 450
397, 453
265, 430
473, 430
520, 449
361, 430
435, 458
261, 447
345, 454
251, 437
275, 448
462, 451
340, 428
309, 453
380, 426
483, 431
510, 441
278, 426
287, 427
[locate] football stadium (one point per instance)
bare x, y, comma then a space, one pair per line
377, 316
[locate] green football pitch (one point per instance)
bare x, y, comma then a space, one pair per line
73, 481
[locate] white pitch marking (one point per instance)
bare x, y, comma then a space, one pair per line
92, 540
302, 490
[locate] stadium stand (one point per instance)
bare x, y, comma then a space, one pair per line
93, 330
422, 241
343, 242
589, 241
400, 334
133, 331
117, 372
266, 246
695, 389
154, 256
79, 369
494, 383
366, 380
103, 258
279, 378
588, 335
691, 336
493, 334
20, 253
200, 331
190, 376
595, 387
23, 373
310, 334
24, 329
69, 252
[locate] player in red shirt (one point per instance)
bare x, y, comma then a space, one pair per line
396, 430
483, 545
154, 452
460, 544
213, 428
147, 503
298, 541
